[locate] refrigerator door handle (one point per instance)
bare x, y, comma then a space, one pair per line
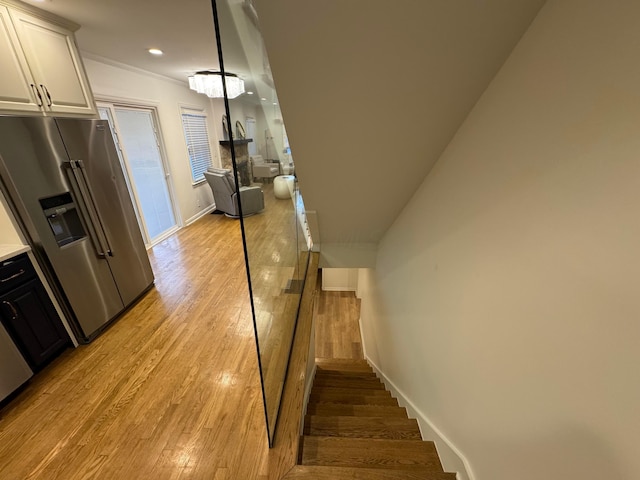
90, 218
109, 250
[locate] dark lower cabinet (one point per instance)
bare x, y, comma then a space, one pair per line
32, 321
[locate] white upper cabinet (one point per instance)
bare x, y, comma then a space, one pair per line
48, 75
17, 91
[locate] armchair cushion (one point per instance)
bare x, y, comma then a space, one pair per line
262, 169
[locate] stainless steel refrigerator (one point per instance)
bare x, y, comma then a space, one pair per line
64, 183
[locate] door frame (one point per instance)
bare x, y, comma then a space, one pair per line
111, 103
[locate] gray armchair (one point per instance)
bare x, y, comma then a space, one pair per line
264, 170
223, 186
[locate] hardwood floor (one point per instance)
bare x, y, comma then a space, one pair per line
353, 426
337, 325
355, 429
170, 391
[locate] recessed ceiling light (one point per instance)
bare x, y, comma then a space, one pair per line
249, 93
155, 51
275, 103
263, 99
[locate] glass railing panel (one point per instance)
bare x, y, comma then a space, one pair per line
275, 237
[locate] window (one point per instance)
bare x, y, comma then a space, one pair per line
195, 133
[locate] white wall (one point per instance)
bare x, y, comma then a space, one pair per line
372, 91
340, 279
509, 306
110, 81
8, 233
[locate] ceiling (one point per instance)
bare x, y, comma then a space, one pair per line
372, 91
123, 30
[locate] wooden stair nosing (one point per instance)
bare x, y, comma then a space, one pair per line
307, 472
326, 390
362, 427
370, 453
344, 373
372, 383
345, 409
338, 370
353, 399
341, 361
343, 365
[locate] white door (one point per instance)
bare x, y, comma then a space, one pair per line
251, 133
148, 178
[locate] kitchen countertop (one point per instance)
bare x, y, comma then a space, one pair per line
8, 251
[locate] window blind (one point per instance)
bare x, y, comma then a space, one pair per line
195, 133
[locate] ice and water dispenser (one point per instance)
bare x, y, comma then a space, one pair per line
63, 217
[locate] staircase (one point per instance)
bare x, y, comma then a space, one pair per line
354, 429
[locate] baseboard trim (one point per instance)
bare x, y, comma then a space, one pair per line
452, 458
200, 214
338, 289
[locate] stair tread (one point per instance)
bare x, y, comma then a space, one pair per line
372, 383
320, 390
369, 453
362, 427
306, 472
325, 372
352, 399
342, 361
343, 409
343, 364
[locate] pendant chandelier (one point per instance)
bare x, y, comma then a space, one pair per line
210, 83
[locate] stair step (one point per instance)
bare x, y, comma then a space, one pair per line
305, 472
321, 390
352, 396
370, 453
341, 409
343, 364
362, 427
348, 382
345, 373
337, 372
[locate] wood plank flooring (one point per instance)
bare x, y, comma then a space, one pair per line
344, 444
170, 391
337, 325
353, 427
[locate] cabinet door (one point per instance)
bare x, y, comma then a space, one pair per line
17, 88
29, 316
55, 64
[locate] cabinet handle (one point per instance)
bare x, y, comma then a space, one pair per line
15, 275
14, 312
46, 92
37, 92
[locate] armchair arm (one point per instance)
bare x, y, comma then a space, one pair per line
267, 170
252, 199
